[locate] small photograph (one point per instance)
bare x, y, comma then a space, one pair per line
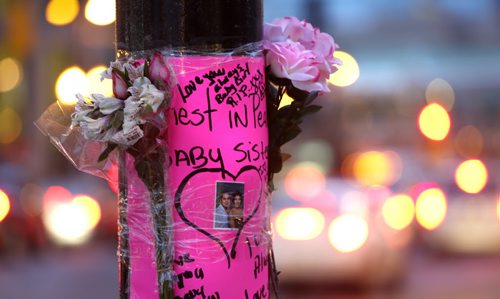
229, 199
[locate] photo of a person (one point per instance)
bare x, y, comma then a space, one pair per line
236, 211
228, 205
222, 211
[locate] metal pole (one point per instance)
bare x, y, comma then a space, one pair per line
209, 26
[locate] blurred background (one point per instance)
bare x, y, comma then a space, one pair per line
392, 190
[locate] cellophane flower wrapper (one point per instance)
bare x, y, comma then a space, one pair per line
177, 236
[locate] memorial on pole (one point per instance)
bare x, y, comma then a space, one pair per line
195, 126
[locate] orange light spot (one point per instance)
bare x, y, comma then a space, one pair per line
305, 181
471, 176
430, 209
434, 122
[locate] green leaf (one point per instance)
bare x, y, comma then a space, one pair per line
124, 75
310, 109
117, 120
146, 68
106, 152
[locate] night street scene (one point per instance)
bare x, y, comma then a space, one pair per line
391, 189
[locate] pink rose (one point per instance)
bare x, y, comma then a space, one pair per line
119, 85
286, 37
158, 70
292, 61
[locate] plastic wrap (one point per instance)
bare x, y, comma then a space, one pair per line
194, 200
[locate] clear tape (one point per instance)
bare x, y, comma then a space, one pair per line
144, 187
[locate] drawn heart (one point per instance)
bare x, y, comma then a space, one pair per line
224, 174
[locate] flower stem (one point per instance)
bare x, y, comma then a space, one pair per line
123, 232
150, 168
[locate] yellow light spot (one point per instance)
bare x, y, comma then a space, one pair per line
89, 206
434, 122
430, 209
398, 211
305, 181
469, 142
471, 176
100, 12
104, 87
70, 82
11, 126
348, 72
299, 223
441, 92
71, 223
285, 101
498, 208
4, 205
61, 12
10, 74
377, 168
348, 233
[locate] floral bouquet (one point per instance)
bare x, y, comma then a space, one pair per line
135, 127
299, 61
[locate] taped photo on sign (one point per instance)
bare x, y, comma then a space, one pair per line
228, 207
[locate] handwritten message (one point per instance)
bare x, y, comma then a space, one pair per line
218, 133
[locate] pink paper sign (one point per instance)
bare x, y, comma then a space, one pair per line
217, 142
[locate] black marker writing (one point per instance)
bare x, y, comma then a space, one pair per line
212, 74
195, 117
260, 264
236, 120
198, 157
249, 247
258, 99
185, 258
198, 274
189, 88
250, 152
259, 294
191, 294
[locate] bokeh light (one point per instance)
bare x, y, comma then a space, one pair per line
71, 81
498, 208
4, 205
348, 233
10, 74
377, 168
55, 195
100, 12
355, 202
469, 142
305, 181
471, 176
71, 223
348, 72
61, 12
11, 125
440, 91
104, 87
91, 207
299, 223
285, 101
398, 211
434, 122
430, 208
112, 178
